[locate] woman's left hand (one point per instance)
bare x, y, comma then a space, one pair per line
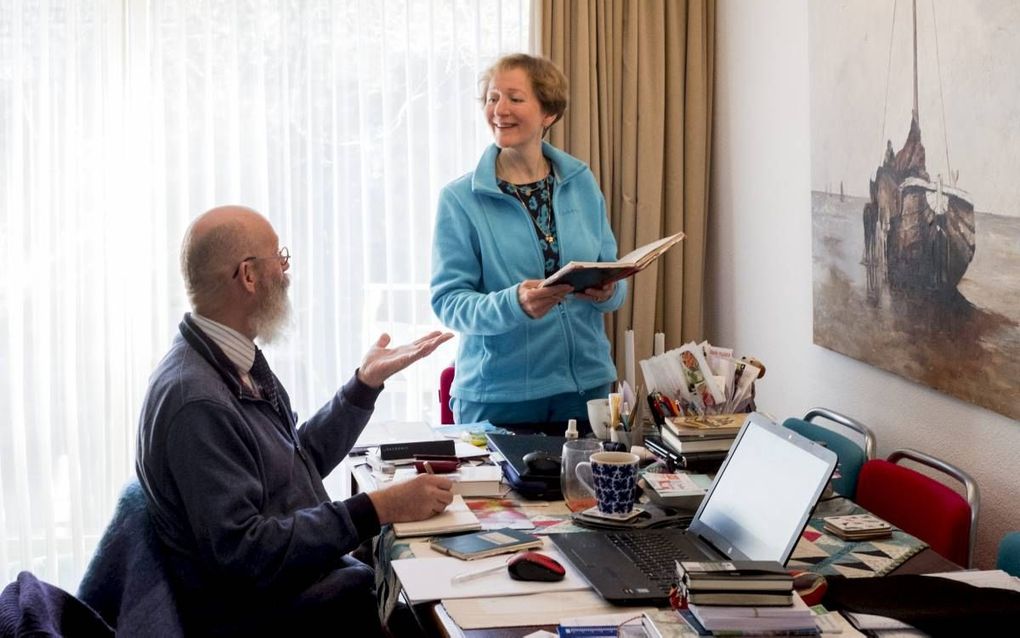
597, 295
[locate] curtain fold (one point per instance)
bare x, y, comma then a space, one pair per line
640, 115
120, 121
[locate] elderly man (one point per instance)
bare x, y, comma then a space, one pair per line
254, 544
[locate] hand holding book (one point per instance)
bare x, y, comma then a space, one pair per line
583, 275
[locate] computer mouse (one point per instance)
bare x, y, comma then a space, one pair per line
542, 464
535, 566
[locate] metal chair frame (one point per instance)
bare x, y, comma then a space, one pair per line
973, 496
870, 444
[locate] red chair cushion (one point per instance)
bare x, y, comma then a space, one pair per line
918, 505
445, 381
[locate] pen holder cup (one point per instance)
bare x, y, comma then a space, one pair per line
598, 418
627, 438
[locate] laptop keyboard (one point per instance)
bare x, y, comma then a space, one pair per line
654, 554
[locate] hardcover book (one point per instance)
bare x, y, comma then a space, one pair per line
674, 489
746, 575
740, 598
703, 426
595, 274
713, 443
479, 480
484, 544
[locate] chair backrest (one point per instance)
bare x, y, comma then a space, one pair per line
851, 456
31, 607
1009, 554
126, 580
445, 381
922, 506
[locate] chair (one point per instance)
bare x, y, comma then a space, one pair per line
851, 456
31, 607
922, 506
445, 381
126, 580
1009, 554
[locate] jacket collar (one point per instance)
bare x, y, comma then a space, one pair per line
212, 353
483, 181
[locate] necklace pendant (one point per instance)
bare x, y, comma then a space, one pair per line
549, 239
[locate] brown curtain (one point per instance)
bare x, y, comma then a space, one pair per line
640, 114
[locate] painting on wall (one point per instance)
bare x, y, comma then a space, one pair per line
915, 202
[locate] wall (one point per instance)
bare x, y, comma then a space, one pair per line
759, 268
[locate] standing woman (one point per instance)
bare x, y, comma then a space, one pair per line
527, 354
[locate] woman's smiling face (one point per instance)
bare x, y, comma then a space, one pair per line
513, 112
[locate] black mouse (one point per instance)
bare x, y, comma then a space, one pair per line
535, 566
541, 464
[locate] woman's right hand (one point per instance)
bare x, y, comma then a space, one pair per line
535, 301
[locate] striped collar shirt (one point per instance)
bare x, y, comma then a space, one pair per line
238, 348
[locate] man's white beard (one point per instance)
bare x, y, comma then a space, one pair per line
272, 316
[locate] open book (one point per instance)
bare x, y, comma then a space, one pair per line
594, 274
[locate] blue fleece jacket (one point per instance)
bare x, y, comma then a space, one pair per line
484, 246
235, 489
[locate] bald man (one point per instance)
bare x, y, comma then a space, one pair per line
255, 545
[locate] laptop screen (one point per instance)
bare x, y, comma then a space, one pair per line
764, 492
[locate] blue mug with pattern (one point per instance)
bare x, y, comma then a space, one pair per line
613, 479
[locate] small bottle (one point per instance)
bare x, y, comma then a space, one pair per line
571, 432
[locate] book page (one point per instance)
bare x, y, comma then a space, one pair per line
653, 249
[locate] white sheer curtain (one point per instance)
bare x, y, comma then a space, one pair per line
122, 120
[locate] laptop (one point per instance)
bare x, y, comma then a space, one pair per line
756, 509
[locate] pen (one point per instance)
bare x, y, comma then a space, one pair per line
459, 578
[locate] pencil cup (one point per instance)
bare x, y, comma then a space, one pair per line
598, 417
613, 479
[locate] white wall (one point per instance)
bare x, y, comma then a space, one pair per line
760, 269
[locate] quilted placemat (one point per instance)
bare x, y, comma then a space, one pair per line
825, 554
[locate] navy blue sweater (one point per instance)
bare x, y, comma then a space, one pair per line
235, 489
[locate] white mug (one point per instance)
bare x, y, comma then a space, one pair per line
598, 417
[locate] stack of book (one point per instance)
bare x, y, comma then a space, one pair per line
696, 443
857, 527
701, 433
735, 583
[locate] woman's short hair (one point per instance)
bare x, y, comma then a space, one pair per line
548, 82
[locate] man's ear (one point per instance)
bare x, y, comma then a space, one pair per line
247, 276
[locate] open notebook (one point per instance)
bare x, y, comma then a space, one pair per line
457, 517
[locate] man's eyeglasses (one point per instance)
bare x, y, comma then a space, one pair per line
283, 256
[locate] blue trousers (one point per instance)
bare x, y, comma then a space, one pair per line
555, 408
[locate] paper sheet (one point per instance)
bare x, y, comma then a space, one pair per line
429, 579
522, 611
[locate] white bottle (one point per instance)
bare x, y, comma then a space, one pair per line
571, 432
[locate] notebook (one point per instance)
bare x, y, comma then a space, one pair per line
457, 517
756, 509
